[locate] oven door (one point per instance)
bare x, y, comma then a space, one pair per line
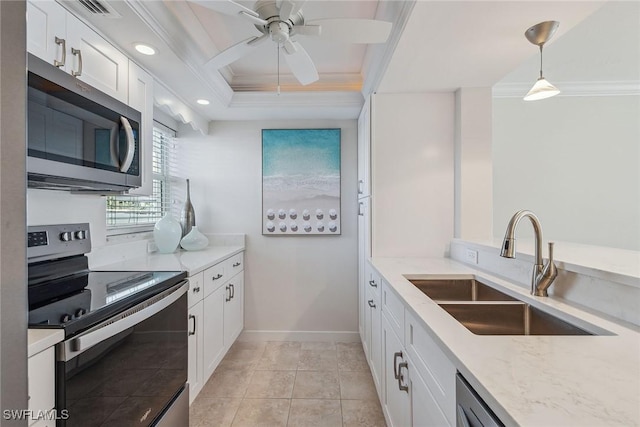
128, 370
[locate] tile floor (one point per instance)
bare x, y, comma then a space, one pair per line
302, 384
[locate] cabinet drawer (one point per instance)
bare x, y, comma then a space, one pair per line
372, 280
432, 364
41, 380
394, 309
214, 277
196, 290
234, 265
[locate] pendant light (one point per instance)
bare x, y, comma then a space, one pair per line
539, 34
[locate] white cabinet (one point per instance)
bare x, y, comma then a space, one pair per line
233, 309
371, 337
216, 317
364, 146
395, 394
61, 39
141, 98
41, 383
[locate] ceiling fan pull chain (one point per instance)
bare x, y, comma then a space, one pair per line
278, 54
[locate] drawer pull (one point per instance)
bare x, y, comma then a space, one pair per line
371, 304
236, 264
228, 297
373, 283
233, 290
192, 317
401, 377
216, 277
196, 290
395, 364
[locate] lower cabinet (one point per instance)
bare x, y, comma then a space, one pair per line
216, 318
395, 395
41, 385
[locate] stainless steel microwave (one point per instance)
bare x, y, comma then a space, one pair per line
78, 138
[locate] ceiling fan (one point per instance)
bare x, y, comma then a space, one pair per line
281, 21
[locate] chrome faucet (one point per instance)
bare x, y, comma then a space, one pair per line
543, 275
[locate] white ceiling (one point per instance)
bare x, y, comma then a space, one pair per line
434, 46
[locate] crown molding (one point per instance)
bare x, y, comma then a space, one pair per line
328, 82
599, 88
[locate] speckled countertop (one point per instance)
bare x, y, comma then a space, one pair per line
531, 380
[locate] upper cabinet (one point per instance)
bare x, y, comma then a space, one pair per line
61, 39
141, 98
364, 145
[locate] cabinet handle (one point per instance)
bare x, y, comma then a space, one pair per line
373, 283
192, 317
401, 378
395, 359
360, 210
228, 297
233, 290
63, 59
216, 277
196, 290
78, 53
236, 264
360, 186
371, 304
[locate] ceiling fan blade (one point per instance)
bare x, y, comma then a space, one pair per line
229, 7
301, 65
307, 30
288, 8
235, 52
351, 30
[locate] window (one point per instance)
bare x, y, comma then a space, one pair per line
129, 214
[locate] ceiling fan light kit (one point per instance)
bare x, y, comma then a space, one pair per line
282, 21
539, 34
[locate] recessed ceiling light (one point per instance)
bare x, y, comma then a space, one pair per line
203, 101
145, 49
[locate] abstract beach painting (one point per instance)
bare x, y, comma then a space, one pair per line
301, 182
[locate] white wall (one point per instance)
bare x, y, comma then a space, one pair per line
292, 283
575, 162
412, 174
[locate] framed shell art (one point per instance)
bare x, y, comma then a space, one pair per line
301, 182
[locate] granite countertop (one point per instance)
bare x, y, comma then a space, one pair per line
531, 380
192, 262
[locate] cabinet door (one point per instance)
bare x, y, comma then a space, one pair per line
364, 251
46, 21
364, 144
395, 402
366, 338
375, 346
233, 309
196, 341
41, 380
141, 98
425, 411
100, 64
212, 327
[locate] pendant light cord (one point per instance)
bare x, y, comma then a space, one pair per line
541, 44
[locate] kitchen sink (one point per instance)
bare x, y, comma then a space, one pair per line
459, 290
509, 318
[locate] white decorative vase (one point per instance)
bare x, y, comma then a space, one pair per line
167, 233
195, 240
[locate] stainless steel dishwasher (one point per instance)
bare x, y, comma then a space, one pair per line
471, 409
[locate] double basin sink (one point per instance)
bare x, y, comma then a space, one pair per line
486, 311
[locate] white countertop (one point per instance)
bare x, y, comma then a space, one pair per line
532, 380
42, 339
190, 261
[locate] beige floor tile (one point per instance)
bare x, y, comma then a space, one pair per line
262, 412
257, 346
317, 360
279, 359
357, 385
279, 345
352, 359
214, 412
348, 346
362, 413
227, 383
241, 359
316, 385
315, 413
271, 385
318, 345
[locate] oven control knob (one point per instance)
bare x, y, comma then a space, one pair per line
80, 235
66, 236
80, 312
65, 318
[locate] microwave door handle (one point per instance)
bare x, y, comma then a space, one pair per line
131, 145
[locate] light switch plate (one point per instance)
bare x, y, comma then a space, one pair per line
472, 256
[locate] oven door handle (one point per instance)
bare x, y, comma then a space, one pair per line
123, 321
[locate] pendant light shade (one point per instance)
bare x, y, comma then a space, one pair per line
541, 89
539, 34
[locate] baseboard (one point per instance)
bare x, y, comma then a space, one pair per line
323, 336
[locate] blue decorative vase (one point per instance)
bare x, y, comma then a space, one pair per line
167, 233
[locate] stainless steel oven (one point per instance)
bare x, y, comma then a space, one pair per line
78, 138
124, 358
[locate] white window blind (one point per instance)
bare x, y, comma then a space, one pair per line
128, 214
